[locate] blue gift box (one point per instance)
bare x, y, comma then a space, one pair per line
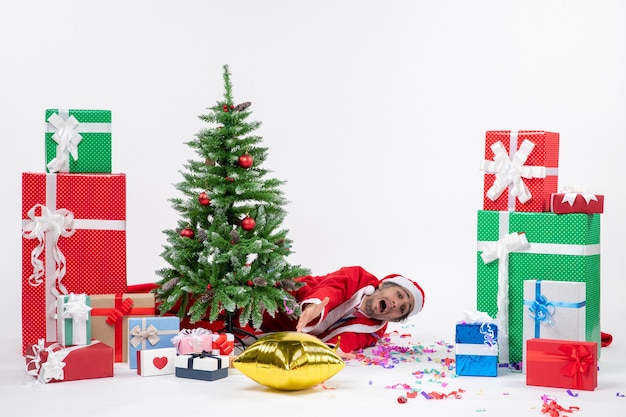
476, 349
150, 333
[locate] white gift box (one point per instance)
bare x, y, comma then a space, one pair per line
154, 362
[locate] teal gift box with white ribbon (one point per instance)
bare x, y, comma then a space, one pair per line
78, 141
74, 319
514, 247
554, 310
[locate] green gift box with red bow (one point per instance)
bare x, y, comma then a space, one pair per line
562, 364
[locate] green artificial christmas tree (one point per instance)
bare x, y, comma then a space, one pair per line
227, 258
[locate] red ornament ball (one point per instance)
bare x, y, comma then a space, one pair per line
246, 161
187, 232
203, 198
225, 108
250, 284
209, 286
248, 223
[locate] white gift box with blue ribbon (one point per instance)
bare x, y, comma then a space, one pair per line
553, 310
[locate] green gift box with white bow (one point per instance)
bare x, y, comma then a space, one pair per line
78, 141
517, 246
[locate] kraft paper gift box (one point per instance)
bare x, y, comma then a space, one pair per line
574, 200
154, 362
562, 364
516, 246
74, 319
78, 141
553, 310
196, 340
53, 362
223, 344
521, 170
476, 347
109, 318
204, 366
150, 333
74, 240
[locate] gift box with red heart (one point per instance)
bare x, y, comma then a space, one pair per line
155, 362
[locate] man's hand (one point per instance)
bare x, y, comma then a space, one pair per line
345, 355
309, 313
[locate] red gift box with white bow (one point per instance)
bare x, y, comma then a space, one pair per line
562, 364
575, 200
521, 170
68, 219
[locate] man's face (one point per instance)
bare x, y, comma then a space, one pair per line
389, 302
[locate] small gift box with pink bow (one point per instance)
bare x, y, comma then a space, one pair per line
193, 341
150, 333
576, 200
74, 319
562, 364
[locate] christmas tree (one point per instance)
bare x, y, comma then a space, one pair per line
228, 255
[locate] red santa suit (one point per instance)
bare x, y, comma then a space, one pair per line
345, 289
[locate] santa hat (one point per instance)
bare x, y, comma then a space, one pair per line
416, 291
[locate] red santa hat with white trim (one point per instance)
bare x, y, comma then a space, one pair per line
411, 286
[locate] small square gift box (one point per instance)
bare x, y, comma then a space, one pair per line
150, 333
153, 362
223, 344
204, 366
197, 340
53, 362
74, 319
554, 310
78, 141
477, 346
576, 200
562, 364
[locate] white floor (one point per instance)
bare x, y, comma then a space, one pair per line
368, 388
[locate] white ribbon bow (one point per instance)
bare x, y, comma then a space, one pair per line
570, 193
50, 225
511, 171
52, 368
194, 337
151, 334
76, 308
477, 317
67, 139
500, 250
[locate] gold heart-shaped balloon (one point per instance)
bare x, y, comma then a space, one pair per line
289, 361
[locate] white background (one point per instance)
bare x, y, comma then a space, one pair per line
373, 112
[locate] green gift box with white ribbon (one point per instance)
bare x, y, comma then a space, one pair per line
517, 246
78, 141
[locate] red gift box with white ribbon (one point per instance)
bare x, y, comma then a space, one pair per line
576, 200
521, 170
74, 240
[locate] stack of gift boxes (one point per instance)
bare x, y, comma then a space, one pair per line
75, 305
538, 262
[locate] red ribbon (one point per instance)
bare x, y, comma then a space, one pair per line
114, 318
555, 409
221, 342
579, 360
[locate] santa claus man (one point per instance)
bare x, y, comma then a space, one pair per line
351, 306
